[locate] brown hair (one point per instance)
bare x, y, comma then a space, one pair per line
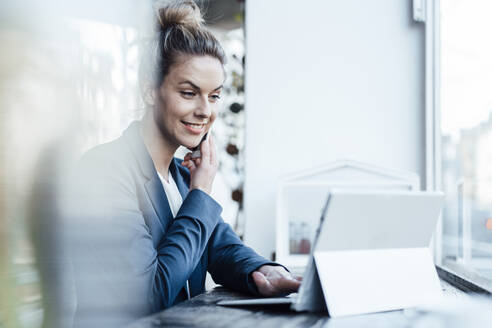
180, 31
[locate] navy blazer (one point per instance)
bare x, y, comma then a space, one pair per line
130, 254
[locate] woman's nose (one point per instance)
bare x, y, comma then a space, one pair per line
204, 108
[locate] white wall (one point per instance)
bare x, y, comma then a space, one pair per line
325, 80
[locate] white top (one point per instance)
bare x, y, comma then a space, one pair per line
172, 192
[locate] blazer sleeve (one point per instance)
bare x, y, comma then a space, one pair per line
183, 245
231, 262
119, 266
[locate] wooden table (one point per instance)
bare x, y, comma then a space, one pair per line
201, 311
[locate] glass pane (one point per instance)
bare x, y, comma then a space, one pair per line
466, 127
303, 205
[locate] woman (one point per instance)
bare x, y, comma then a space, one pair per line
148, 229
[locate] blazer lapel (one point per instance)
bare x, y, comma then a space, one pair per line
153, 186
178, 178
158, 197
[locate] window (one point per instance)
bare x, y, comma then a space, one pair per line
466, 138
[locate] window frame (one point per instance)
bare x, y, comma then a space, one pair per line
454, 274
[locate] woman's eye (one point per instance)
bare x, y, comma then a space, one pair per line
187, 94
215, 97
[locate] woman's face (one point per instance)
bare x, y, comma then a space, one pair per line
188, 99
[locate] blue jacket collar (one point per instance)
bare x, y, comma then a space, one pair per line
147, 167
153, 185
174, 169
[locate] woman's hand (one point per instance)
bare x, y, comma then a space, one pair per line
275, 280
203, 169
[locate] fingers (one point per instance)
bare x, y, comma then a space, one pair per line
262, 283
210, 155
205, 150
271, 286
213, 153
190, 164
186, 160
288, 285
202, 169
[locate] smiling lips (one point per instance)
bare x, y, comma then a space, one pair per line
195, 128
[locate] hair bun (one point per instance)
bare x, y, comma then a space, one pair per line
185, 13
